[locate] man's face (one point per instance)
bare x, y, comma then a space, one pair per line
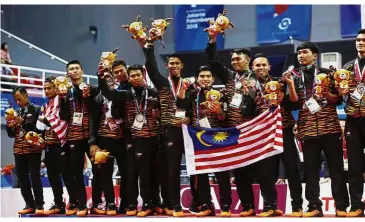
360, 43
205, 79
261, 66
175, 65
49, 90
21, 99
120, 73
306, 57
75, 71
239, 62
136, 78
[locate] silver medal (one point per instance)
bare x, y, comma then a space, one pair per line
21, 133
139, 117
238, 85
82, 86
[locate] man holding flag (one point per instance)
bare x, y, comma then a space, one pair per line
206, 114
54, 131
246, 141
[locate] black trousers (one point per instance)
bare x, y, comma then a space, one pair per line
119, 152
332, 147
76, 150
173, 144
140, 162
57, 161
103, 173
264, 172
355, 139
201, 188
30, 164
291, 162
160, 178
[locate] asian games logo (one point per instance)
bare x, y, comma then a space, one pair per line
284, 24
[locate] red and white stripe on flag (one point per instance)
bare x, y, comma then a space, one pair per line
259, 138
51, 112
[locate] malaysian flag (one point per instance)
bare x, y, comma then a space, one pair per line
221, 149
51, 112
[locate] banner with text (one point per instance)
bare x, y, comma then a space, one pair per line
189, 23
350, 20
279, 23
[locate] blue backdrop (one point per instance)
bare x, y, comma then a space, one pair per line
350, 20
189, 22
276, 23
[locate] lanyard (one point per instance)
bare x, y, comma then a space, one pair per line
239, 78
198, 104
145, 92
359, 75
175, 90
258, 85
74, 103
313, 85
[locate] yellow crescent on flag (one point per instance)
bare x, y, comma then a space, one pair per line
199, 135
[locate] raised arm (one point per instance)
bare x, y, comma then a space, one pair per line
157, 79
223, 73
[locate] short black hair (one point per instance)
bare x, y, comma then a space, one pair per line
73, 62
135, 67
119, 62
3, 45
20, 89
174, 55
308, 45
50, 79
202, 68
259, 55
245, 51
361, 31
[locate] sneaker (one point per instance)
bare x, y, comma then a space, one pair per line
177, 211
132, 210
100, 210
168, 211
194, 208
225, 211
146, 210
39, 210
205, 210
27, 210
355, 212
297, 212
267, 212
72, 210
56, 209
314, 211
82, 211
158, 208
248, 211
341, 213
111, 209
